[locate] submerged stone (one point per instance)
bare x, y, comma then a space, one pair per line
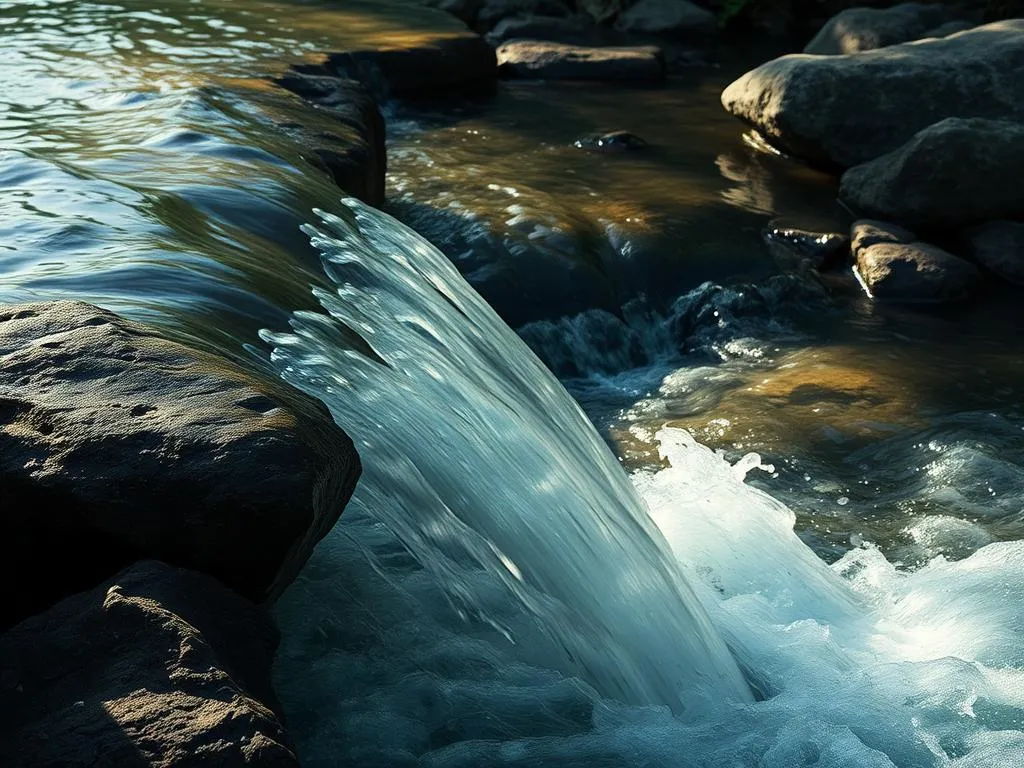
611, 142
117, 445
794, 248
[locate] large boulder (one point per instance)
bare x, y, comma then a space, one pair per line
668, 17
840, 111
559, 61
892, 265
156, 667
999, 247
954, 173
117, 445
865, 29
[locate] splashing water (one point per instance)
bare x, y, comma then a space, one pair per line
498, 594
492, 476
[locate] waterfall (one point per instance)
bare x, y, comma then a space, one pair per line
491, 476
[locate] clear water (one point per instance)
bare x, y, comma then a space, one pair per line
490, 544
147, 164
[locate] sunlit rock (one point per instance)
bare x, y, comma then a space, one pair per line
158, 667
116, 445
865, 29
839, 111
557, 61
892, 265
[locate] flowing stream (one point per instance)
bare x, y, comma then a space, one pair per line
774, 525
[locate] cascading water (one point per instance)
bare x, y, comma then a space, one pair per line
497, 593
492, 476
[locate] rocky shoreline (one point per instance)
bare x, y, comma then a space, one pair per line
159, 498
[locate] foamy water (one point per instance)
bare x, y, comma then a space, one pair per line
496, 594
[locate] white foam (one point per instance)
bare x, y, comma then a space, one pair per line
492, 596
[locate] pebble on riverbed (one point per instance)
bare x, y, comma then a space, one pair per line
610, 142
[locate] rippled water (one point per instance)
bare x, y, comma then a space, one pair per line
148, 163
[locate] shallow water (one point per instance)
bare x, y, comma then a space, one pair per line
146, 164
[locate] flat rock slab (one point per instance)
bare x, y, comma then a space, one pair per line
952, 174
117, 445
156, 667
558, 61
448, 62
865, 29
840, 111
892, 265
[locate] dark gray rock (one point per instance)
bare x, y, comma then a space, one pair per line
865, 29
998, 246
574, 30
464, 10
845, 110
156, 667
558, 61
494, 11
892, 265
678, 18
954, 173
795, 249
611, 142
344, 130
950, 28
117, 445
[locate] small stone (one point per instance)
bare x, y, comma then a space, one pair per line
611, 142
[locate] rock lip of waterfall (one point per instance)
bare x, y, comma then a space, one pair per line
490, 474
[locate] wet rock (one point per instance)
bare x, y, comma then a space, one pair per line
573, 30
950, 28
156, 667
610, 143
345, 133
891, 264
117, 445
558, 61
998, 246
668, 17
430, 54
865, 29
839, 111
867, 232
494, 11
796, 249
954, 173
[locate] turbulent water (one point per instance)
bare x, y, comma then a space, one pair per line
499, 592
496, 596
